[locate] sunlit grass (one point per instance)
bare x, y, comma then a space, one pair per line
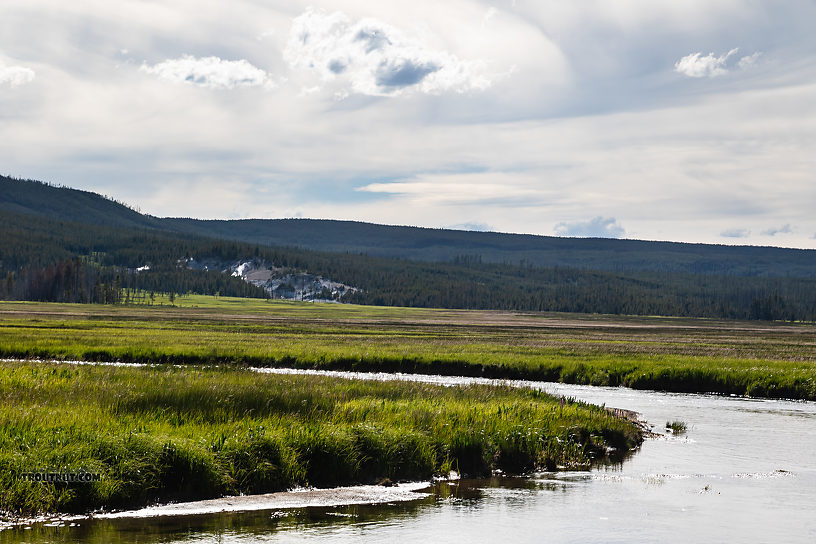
649, 353
676, 427
159, 433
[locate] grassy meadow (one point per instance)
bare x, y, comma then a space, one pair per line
759, 359
157, 433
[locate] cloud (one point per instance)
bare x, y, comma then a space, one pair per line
489, 14
370, 57
210, 72
735, 233
695, 65
785, 229
472, 188
698, 66
749, 60
15, 76
473, 226
597, 227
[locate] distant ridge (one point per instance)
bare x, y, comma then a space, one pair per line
420, 244
442, 245
66, 204
62, 245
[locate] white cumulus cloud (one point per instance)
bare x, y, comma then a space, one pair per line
597, 227
735, 233
773, 231
696, 65
15, 75
210, 72
374, 58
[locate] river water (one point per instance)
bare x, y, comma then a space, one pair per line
745, 471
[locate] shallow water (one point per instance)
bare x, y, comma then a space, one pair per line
745, 471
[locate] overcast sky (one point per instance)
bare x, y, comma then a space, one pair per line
675, 120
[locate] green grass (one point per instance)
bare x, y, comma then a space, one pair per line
159, 433
676, 427
682, 355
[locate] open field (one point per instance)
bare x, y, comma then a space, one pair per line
685, 355
167, 432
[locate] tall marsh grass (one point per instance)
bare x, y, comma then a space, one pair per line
163, 433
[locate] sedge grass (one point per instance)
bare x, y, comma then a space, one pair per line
160, 433
683, 355
676, 427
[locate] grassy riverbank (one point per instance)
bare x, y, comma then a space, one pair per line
683, 355
159, 433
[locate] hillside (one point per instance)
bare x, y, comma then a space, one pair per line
422, 244
440, 245
103, 251
65, 204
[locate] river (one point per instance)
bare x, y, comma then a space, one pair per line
744, 471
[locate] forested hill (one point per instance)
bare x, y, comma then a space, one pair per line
66, 204
422, 244
57, 244
442, 245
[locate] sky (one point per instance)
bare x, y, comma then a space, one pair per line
690, 121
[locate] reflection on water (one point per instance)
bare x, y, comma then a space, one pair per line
744, 471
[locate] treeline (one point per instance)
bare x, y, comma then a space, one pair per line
74, 280
59, 261
51, 260
476, 285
